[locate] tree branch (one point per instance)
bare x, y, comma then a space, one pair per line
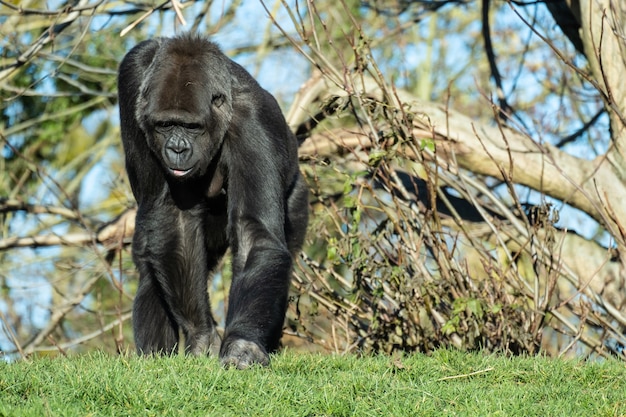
505, 109
110, 235
496, 151
566, 14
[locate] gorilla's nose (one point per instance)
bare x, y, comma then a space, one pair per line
178, 151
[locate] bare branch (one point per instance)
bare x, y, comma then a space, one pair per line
504, 108
87, 337
10, 205
542, 167
118, 230
59, 313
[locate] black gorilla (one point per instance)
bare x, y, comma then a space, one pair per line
212, 164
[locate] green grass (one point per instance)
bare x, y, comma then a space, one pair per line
444, 383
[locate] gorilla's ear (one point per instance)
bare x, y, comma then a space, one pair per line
221, 85
238, 106
222, 106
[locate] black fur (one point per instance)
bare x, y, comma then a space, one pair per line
212, 165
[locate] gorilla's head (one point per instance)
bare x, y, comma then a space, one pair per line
185, 105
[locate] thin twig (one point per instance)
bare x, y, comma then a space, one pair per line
482, 371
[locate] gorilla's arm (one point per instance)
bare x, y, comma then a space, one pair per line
144, 171
262, 173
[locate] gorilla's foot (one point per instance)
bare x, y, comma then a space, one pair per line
242, 354
204, 344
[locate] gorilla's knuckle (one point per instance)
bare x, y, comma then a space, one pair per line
242, 354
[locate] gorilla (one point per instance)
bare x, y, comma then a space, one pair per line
212, 165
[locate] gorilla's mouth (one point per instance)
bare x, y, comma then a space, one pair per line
180, 172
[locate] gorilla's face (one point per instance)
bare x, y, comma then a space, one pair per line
184, 108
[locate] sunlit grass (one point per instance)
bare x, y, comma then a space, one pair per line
444, 383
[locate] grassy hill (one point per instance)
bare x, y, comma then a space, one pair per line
444, 383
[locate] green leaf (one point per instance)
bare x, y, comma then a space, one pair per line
428, 144
376, 156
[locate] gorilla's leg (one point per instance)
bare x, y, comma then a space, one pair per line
155, 330
185, 286
297, 216
170, 251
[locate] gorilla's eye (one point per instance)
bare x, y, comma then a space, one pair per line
165, 124
218, 100
192, 126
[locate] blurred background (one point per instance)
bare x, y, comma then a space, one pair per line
465, 160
